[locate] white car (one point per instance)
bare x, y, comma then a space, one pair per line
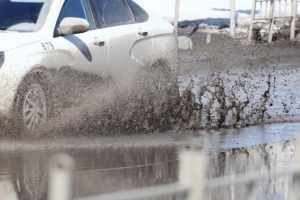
106, 38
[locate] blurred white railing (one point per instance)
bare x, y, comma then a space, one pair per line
273, 10
191, 185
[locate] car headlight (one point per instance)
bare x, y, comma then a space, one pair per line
2, 58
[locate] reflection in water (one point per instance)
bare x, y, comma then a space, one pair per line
124, 168
23, 174
256, 159
97, 171
7, 190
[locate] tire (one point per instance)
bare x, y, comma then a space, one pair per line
33, 101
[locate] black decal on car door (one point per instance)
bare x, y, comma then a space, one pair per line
80, 45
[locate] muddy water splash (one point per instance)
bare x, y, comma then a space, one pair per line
107, 108
248, 86
219, 102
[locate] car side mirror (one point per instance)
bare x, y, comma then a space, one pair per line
73, 25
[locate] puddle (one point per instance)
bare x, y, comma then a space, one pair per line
110, 164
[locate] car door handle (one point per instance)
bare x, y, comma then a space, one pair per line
142, 32
99, 42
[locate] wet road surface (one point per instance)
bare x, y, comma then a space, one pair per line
109, 164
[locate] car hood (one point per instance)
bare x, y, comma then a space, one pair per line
11, 40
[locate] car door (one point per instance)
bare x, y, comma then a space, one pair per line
130, 42
89, 50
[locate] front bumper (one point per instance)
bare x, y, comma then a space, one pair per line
9, 81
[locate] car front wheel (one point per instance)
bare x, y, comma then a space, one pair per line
33, 101
34, 107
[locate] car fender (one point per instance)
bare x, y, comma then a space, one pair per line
21, 61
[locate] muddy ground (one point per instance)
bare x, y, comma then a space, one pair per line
237, 85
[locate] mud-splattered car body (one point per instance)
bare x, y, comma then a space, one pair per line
110, 47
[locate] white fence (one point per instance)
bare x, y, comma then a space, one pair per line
273, 10
192, 184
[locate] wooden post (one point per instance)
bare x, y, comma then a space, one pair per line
232, 18
294, 16
176, 16
192, 172
60, 175
208, 38
271, 25
251, 21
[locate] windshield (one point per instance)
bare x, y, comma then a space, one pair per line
20, 15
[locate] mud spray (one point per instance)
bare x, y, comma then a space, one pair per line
153, 105
228, 89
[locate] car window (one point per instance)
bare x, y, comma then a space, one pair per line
76, 8
19, 16
140, 15
114, 12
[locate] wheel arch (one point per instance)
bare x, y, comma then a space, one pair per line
39, 73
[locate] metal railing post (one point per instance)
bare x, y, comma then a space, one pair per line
285, 8
192, 171
251, 21
260, 9
266, 10
294, 15
279, 8
232, 18
60, 175
271, 25
176, 16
